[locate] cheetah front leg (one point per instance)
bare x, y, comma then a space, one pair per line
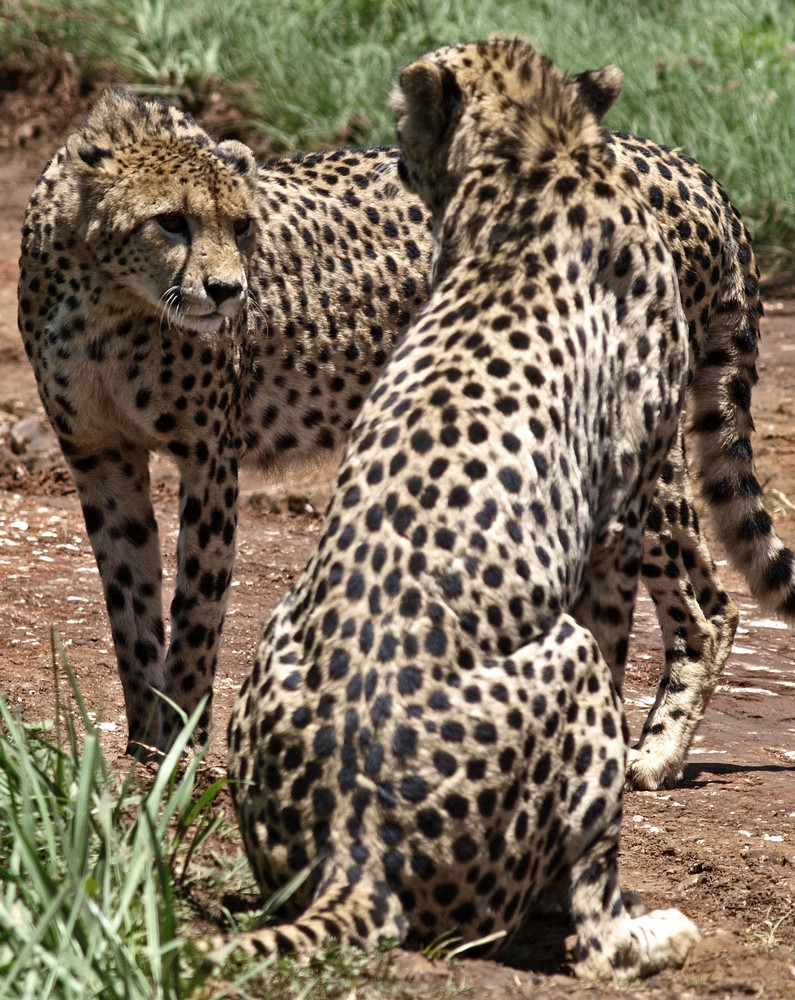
208, 510
112, 478
610, 943
698, 621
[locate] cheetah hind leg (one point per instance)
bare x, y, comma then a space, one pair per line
611, 944
698, 621
361, 914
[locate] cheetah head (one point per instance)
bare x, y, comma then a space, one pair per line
170, 222
486, 100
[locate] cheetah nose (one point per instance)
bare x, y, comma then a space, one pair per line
220, 291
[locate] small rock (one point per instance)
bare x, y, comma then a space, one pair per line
690, 882
409, 965
31, 436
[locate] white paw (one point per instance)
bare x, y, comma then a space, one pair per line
660, 940
628, 949
648, 771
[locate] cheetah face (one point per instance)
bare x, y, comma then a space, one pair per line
173, 229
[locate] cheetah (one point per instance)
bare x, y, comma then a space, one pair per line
431, 725
175, 298
313, 298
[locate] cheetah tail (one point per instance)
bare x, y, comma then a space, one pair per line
353, 914
724, 372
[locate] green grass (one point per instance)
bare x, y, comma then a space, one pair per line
108, 881
714, 78
90, 865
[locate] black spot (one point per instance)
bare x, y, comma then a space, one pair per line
452, 732
413, 788
421, 442
430, 823
404, 742
445, 893
409, 680
487, 802
325, 742
445, 763
459, 497
436, 642
510, 479
464, 849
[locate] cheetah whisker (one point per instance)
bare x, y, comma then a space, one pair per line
170, 299
256, 307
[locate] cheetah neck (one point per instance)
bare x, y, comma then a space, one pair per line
500, 209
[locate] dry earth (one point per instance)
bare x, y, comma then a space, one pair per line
721, 846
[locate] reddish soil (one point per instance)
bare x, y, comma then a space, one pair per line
721, 847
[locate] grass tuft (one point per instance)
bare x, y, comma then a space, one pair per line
90, 863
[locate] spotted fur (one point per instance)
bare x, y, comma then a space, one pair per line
332, 273
431, 724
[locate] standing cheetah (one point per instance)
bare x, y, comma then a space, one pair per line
430, 724
174, 297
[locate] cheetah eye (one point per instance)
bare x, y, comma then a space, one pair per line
242, 227
172, 222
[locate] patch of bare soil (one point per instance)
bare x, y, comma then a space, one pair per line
721, 846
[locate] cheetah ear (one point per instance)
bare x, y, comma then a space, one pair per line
424, 102
87, 155
93, 168
238, 156
599, 88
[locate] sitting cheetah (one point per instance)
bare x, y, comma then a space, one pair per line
155, 319
430, 723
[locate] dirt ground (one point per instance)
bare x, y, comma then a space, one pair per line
721, 847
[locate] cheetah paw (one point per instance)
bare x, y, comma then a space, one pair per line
650, 772
660, 940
